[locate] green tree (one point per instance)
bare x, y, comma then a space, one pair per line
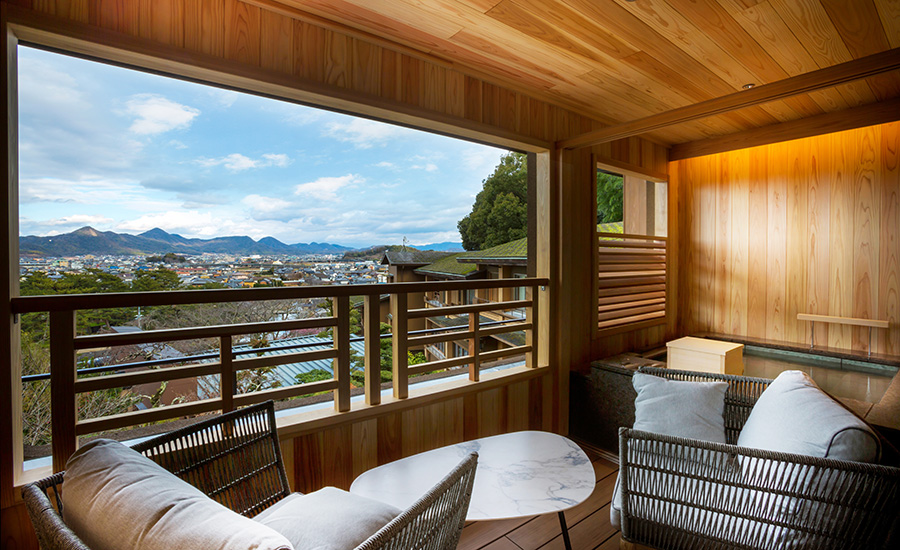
158, 279
500, 212
610, 198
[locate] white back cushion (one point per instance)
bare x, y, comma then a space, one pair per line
794, 416
115, 498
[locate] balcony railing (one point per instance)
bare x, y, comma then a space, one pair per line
66, 383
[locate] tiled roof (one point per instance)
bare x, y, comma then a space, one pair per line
449, 267
516, 251
411, 256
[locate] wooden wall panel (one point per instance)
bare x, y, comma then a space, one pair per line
822, 221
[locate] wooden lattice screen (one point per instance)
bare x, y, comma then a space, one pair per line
631, 285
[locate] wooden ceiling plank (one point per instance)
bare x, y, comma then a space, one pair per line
889, 12
768, 28
585, 29
860, 28
390, 34
809, 21
481, 5
682, 82
699, 42
823, 78
858, 117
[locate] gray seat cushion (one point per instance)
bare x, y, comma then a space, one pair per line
328, 519
794, 416
114, 498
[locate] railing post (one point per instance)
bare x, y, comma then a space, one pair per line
372, 332
227, 376
64, 415
341, 308
400, 330
474, 347
531, 335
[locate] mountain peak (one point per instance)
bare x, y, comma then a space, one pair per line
87, 231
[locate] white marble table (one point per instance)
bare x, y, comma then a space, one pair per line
519, 474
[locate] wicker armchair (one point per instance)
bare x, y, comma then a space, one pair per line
685, 493
235, 459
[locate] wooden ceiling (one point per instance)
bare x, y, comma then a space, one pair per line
618, 60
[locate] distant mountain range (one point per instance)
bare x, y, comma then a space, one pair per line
443, 247
88, 240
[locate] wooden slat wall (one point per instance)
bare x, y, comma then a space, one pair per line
806, 226
335, 456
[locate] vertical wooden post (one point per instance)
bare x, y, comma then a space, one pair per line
400, 329
372, 332
531, 335
474, 347
227, 376
64, 415
341, 308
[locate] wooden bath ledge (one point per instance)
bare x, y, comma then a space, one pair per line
813, 319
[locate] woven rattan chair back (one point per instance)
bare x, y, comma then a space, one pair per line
436, 520
234, 458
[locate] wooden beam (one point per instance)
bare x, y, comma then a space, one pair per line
101, 44
838, 121
828, 77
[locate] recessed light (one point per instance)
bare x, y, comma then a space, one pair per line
748, 86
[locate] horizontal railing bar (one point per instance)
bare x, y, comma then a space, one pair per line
501, 353
472, 308
243, 399
440, 364
192, 358
512, 327
144, 377
631, 236
873, 323
435, 339
275, 360
124, 420
173, 334
74, 302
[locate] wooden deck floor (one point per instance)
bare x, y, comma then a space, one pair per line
589, 526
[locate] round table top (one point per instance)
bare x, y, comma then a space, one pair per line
519, 474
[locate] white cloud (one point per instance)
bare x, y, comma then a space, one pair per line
326, 188
237, 162
364, 133
80, 220
481, 158
428, 167
155, 114
385, 164
279, 160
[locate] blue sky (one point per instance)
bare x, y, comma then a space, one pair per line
126, 151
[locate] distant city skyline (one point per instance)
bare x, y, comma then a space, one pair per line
125, 151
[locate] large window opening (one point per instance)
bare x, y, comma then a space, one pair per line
134, 182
